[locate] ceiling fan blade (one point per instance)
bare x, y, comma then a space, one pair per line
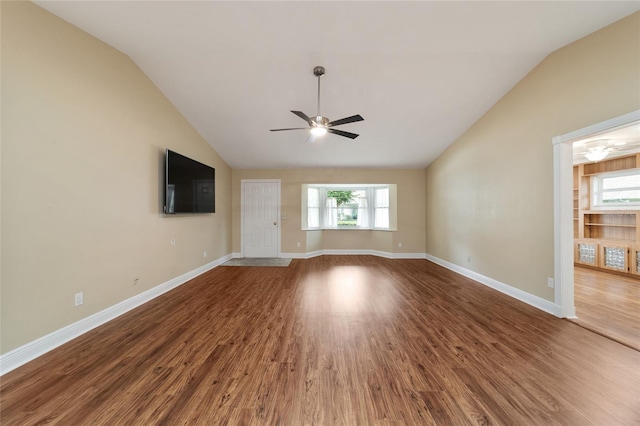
290, 128
304, 116
346, 120
311, 138
343, 133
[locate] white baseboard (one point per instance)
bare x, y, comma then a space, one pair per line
25, 353
523, 296
407, 256
348, 252
308, 255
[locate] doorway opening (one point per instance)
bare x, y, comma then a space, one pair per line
564, 207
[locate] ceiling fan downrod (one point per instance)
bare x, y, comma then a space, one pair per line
318, 72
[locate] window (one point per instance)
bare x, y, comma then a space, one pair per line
313, 208
381, 213
334, 206
616, 190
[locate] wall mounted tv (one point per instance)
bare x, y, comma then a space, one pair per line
189, 185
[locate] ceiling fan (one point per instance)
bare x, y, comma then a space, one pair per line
598, 149
320, 125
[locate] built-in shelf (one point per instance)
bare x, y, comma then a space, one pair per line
607, 239
611, 225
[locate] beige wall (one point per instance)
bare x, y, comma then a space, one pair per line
83, 137
410, 210
490, 195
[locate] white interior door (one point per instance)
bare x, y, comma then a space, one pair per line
260, 214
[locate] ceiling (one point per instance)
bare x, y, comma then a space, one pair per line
618, 142
420, 73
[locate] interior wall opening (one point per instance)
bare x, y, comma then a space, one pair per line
605, 234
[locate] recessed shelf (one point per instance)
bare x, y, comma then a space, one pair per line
610, 224
605, 238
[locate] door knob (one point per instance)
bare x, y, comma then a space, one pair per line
274, 223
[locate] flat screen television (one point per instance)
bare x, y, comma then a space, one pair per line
189, 185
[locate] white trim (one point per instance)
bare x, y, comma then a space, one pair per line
242, 218
365, 252
329, 252
306, 255
602, 127
523, 296
563, 229
408, 256
562, 206
30, 351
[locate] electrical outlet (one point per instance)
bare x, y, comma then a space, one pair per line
173, 242
550, 282
400, 245
79, 299
204, 253
298, 244
468, 259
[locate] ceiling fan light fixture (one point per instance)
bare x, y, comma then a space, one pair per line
596, 154
318, 131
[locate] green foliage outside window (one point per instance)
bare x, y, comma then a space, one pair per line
341, 197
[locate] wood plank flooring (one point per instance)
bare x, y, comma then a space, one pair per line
353, 340
608, 304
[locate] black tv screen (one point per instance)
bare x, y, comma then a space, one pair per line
189, 185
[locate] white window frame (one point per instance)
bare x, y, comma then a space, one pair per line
315, 217
597, 191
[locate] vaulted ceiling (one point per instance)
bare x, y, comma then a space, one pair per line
420, 73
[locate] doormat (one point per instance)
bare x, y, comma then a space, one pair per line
258, 261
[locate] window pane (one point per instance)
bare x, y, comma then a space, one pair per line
331, 213
619, 182
630, 196
363, 212
313, 208
346, 203
381, 208
617, 190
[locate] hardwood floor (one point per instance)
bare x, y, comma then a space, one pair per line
330, 340
608, 304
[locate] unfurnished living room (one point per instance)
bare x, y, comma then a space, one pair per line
329, 212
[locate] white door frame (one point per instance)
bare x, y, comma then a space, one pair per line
563, 207
243, 182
